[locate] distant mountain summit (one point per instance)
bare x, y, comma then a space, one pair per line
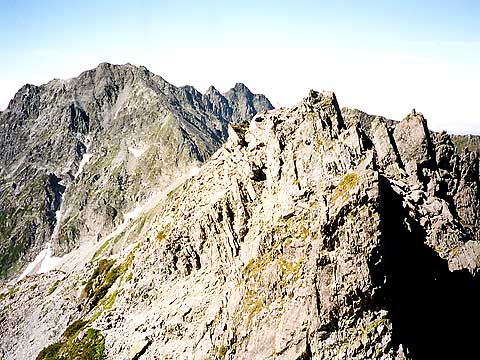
79, 154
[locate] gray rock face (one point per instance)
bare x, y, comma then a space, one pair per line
303, 237
414, 145
443, 165
109, 138
238, 104
244, 104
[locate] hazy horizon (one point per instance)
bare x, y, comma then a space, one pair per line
384, 59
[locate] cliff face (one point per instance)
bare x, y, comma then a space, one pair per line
305, 236
79, 155
442, 165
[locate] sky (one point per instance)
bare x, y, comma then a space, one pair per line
383, 57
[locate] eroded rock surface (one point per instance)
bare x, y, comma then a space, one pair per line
305, 236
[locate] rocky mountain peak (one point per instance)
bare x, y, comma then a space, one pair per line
212, 91
247, 102
240, 87
112, 135
325, 105
414, 144
24, 101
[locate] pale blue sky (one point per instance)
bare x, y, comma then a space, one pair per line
384, 57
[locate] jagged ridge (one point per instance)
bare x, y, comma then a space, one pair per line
301, 238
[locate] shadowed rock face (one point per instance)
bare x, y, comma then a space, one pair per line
307, 235
433, 310
443, 165
110, 137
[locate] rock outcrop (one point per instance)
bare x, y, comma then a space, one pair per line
305, 236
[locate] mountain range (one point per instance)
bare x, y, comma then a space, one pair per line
140, 220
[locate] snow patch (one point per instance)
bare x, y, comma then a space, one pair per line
126, 220
194, 171
85, 159
133, 214
56, 229
43, 262
147, 205
137, 152
116, 113
49, 262
34, 265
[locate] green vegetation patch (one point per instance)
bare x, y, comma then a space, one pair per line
294, 227
105, 161
129, 277
176, 191
117, 238
90, 347
54, 287
103, 277
290, 270
69, 231
253, 304
466, 142
18, 215
111, 300
274, 261
222, 351
74, 328
164, 232
343, 189
373, 325
276, 256
101, 249
8, 294
138, 227
95, 316
101, 280
241, 128
257, 265
14, 222
51, 352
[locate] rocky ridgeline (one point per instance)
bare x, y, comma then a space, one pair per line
308, 235
78, 155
